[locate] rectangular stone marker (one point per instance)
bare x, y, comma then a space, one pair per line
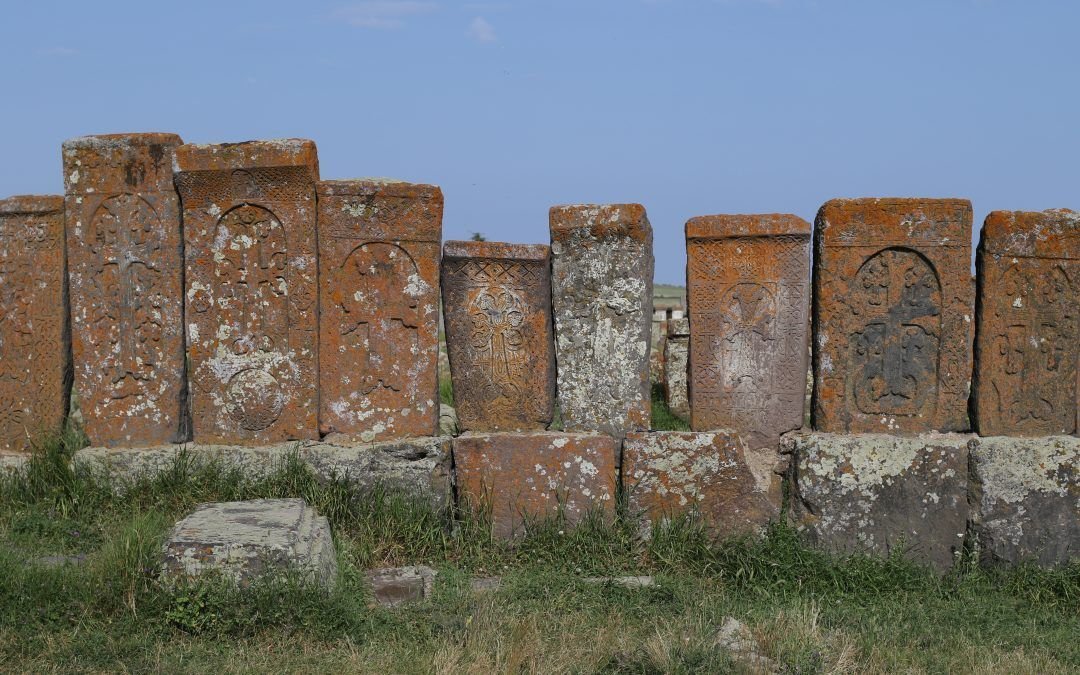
35, 366
734, 489
893, 308
497, 309
1028, 334
251, 300
126, 284
877, 494
379, 246
517, 477
601, 277
748, 294
676, 365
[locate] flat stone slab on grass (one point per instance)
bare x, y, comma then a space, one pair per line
393, 586
875, 494
1027, 499
248, 539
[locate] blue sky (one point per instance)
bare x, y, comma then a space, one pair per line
690, 107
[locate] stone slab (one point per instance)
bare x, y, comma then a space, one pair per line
733, 488
601, 276
893, 315
518, 477
393, 586
251, 300
125, 270
497, 310
35, 367
748, 293
1027, 499
1027, 345
379, 244
676, 367
250, 539
878, 494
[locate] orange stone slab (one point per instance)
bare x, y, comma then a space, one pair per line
1028, 333
379, 247
497, 305
126, 283
748, 294
251, 298
893, 315
520, 477
35, 363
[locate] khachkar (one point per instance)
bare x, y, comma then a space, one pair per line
893, 306
125, 275
748, 282
1028, 341
252, 315
34, 367
602, 270
497, 304
379, 327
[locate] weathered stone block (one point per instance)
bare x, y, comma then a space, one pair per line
379, 327
676, 365
1027, 345
602, 270
893, 308
876, 494
515, 477
251, 300
125, 274
748, 293
35, 366
246, 540
733, 488
497, 305
393, 586
1027, 498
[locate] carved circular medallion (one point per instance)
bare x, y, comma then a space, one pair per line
254, 399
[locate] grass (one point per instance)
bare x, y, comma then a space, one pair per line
810, 613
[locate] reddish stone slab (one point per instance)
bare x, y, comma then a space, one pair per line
893, 309
252, 298
35, 367
734, 489
497, 310
379, 246
517, 477
1028, 332
748, 294
126, 284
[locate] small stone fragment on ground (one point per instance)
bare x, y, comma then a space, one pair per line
625, 582
393, 586
734, 637
485, 584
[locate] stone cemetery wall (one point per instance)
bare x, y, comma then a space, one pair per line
222, 301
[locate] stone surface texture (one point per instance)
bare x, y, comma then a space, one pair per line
393, 586
1027, 499
379, 290
602, 270
734, 489
125, 272
35, 366
1027, 345
497, 304
676, 365
246, 540
876, 494
251, 300
517, 477
748, 293
893, 315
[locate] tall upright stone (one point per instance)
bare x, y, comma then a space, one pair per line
497, 305
126, 284
676, 367
748, 287
1027, 343
893, 310
35, 363
251, 300
601, 277
379, 246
